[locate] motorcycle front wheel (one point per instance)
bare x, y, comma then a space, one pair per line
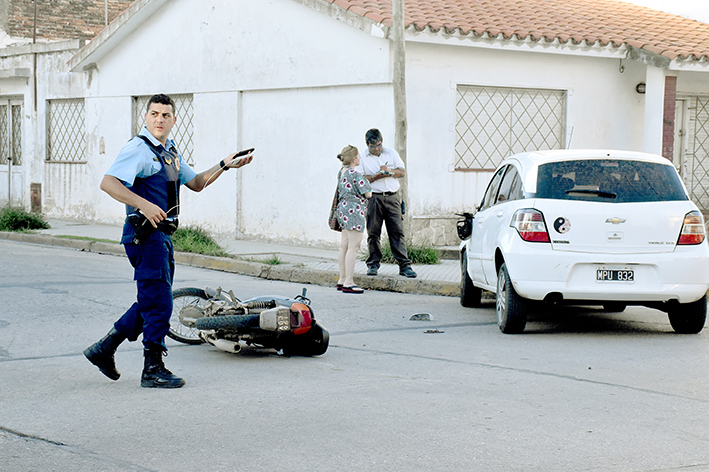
181, 298
312, 343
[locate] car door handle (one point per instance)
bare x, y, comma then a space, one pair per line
500, 214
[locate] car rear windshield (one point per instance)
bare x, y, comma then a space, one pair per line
609, 180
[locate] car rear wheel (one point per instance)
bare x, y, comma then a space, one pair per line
511, 308
689, 318
470, 295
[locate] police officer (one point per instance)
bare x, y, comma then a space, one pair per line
146, 177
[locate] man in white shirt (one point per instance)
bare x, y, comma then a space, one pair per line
382, 167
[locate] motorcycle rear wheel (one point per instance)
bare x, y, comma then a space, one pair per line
228, 322
181, 298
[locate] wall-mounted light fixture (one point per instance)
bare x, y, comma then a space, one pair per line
640, 88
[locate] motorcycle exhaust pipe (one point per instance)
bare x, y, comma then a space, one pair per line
228, 346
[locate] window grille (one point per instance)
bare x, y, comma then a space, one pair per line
66, 131
16, 131
493, 123
11, 134
183, 131
4, 135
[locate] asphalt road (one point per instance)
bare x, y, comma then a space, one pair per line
581, 390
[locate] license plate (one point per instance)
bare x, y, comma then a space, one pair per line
615, 275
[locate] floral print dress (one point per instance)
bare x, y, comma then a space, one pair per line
352, 206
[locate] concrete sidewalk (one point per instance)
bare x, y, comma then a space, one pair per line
300, 264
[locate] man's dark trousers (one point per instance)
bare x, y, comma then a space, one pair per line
154, 264
386, 208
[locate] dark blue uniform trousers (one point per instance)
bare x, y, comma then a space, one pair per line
154, 264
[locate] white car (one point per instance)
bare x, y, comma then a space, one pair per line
586, 227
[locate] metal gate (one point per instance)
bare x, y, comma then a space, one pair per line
691, 153
11, 152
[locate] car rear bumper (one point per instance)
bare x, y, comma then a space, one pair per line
682, 275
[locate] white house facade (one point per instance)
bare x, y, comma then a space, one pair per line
300, 79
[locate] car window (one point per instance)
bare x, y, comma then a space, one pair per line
516, 191
609, 180
491, 192
511, 186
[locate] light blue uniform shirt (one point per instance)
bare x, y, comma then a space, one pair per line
136, 159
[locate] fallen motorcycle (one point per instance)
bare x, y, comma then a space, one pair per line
269, 322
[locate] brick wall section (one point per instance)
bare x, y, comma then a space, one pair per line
61, 19
668, 118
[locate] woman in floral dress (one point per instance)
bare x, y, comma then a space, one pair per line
353, 192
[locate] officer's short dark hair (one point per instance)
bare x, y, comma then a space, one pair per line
372, 136
161, 99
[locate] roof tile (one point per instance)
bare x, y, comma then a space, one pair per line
605, 21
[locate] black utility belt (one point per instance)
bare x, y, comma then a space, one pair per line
143, 228
386, 194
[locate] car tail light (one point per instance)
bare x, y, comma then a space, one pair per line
692, 229
530, 225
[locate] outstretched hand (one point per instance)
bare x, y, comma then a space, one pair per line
235, 162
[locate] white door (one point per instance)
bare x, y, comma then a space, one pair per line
11, 176
681, 141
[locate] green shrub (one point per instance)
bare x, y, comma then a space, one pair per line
273, 260
418, 253
196, 240
17, 219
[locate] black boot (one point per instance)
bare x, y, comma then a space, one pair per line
155, 375
101, 353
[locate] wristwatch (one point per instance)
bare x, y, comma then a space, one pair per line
223, 166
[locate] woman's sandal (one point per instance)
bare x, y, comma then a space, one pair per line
339, 287
352, 289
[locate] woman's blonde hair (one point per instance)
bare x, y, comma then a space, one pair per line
348, 154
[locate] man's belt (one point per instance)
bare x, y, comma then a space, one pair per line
386, 194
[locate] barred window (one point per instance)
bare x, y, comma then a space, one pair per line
66, 131
183, 131
493, 123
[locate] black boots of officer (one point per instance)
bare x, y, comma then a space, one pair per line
155, 375
101, 353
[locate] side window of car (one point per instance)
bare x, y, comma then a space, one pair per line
507, 187
516, 191
491, 192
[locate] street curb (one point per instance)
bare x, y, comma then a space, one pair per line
283, 272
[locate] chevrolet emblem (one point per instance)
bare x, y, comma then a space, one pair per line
615, 220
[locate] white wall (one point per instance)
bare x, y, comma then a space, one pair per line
603, 109
303, 84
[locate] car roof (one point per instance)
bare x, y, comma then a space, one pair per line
528, 162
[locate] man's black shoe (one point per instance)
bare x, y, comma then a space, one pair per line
408, 272
155, 375
372, 271
101, 354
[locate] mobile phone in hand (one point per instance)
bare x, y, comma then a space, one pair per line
241, 153
244, 152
